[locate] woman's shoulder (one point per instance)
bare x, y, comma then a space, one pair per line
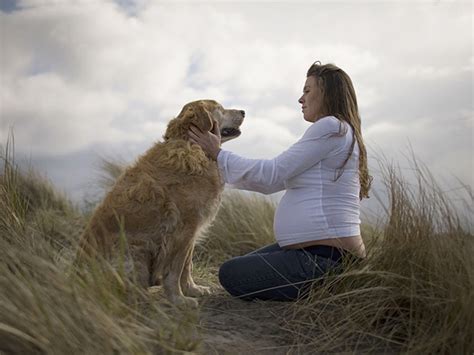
330, 121
326, 125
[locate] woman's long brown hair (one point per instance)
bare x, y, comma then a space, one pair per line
339, 100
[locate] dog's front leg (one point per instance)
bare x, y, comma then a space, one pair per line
187, 283
173, 268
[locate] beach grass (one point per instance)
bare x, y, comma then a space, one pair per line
414, 293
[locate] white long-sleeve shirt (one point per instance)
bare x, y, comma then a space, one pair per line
314, 206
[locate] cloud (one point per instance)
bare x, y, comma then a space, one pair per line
77, 75
85, 66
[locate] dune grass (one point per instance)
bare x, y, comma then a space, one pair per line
244, 223
46, 307
414, 293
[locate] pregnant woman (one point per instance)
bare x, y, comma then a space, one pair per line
324, 175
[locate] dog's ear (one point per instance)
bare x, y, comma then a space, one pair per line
197, 115
192, 113
174, 130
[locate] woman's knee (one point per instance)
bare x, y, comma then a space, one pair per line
226, 273
227, 276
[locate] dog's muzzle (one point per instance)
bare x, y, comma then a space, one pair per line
230, 132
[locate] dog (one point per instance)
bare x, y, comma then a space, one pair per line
162, 203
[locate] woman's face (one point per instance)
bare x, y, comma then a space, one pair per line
311, 100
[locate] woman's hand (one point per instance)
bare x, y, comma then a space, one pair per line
210, 142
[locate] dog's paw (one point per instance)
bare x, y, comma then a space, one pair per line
184, 301
196, 291
154, 290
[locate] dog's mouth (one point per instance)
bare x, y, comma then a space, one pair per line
230, 132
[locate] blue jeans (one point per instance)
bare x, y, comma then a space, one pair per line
273, 273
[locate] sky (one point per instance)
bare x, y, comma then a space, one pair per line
85, 79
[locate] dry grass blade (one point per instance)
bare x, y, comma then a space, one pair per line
46, 307
415, 291
244, 223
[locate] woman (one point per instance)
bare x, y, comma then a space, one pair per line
325, 176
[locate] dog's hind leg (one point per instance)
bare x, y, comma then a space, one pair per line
187, 283
156, 269
141, 258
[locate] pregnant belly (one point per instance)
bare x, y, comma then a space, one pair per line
298, 213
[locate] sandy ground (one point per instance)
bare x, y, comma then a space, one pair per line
233, 326
226, 325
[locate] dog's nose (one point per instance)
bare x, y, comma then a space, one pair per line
243, 113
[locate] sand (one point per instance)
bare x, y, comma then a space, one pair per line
230, 325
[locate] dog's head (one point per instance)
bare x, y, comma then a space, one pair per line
203, 113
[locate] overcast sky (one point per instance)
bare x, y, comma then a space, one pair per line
82, 79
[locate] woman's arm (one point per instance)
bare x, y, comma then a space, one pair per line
231, 164
210, 142
318, 142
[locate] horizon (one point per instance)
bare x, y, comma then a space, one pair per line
82, 80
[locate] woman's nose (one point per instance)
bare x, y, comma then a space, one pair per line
300, 100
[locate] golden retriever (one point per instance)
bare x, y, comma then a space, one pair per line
162, 203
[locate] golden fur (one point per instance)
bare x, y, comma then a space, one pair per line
162, 203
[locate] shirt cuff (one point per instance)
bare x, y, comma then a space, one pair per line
221, 160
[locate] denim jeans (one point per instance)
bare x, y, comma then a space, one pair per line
273, 273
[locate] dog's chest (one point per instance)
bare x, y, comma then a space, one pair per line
209, 210
206, 215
